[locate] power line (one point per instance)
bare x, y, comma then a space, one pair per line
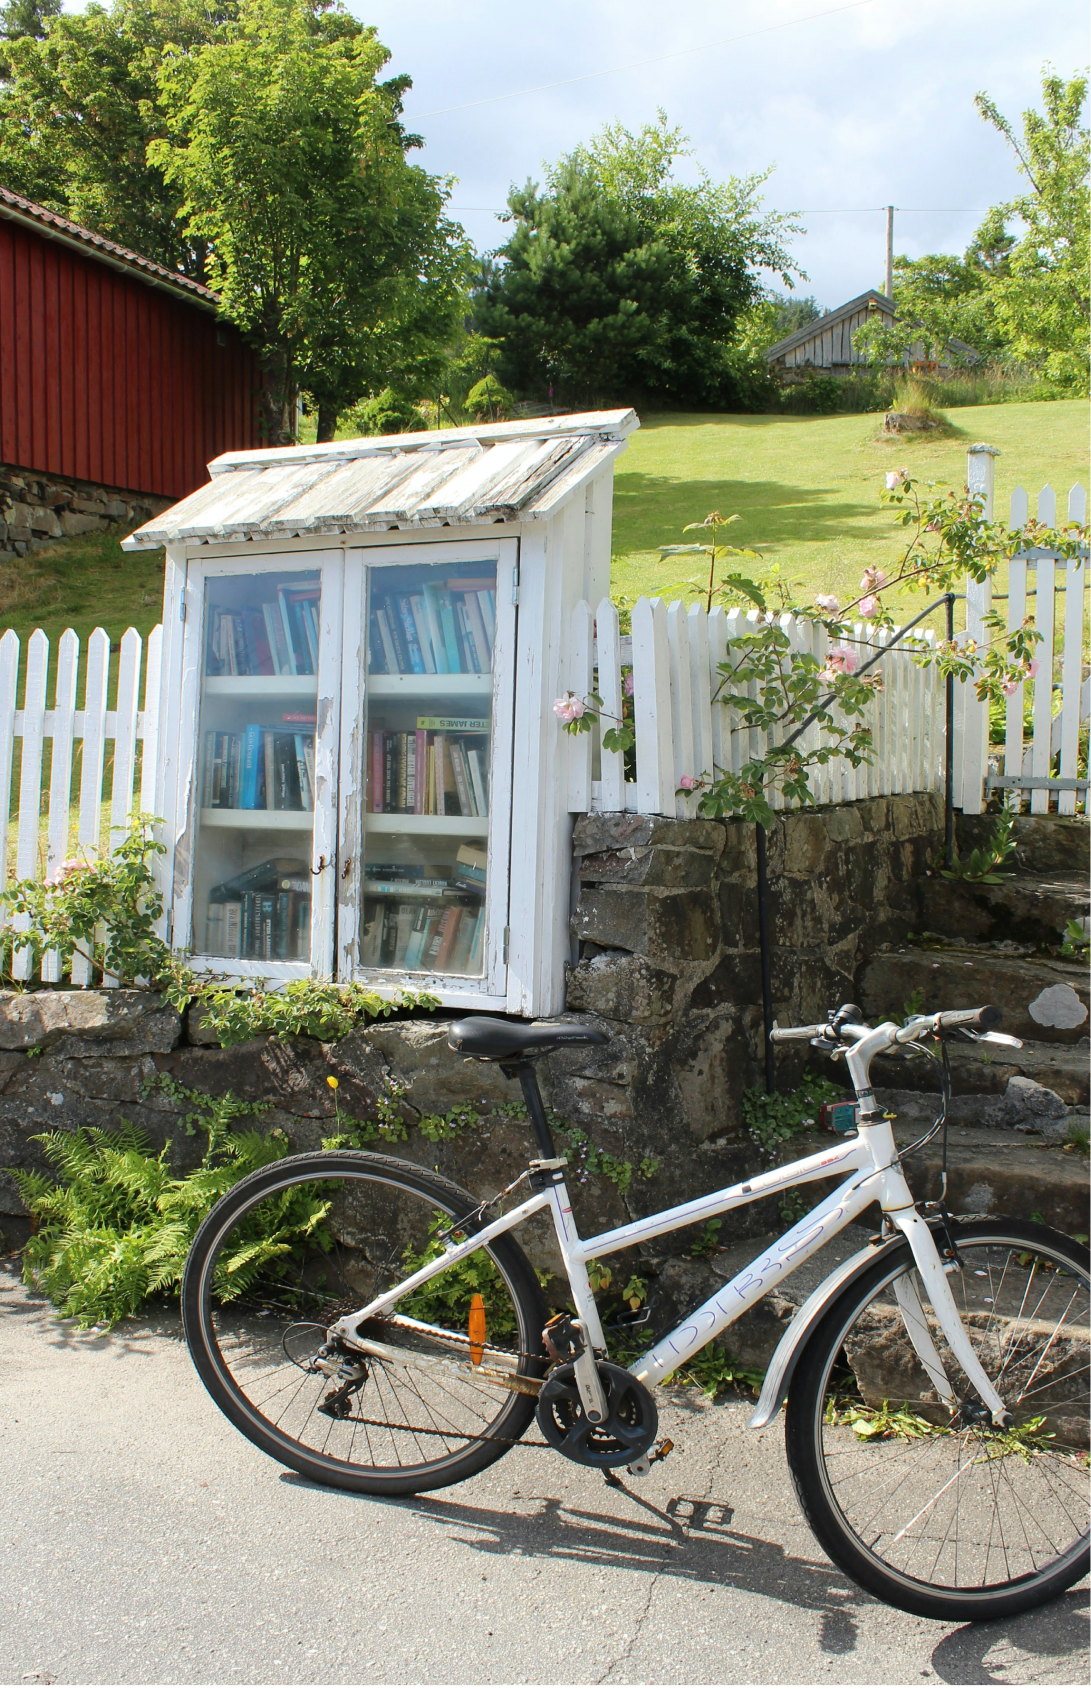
822, 211
639, 64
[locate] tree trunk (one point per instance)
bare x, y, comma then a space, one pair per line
327, 422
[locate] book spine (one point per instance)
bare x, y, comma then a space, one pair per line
210, 756
274, 634
450, 636
424, 640
251, 767
409, 629
420, 771
270, 768
232, 929
476, 776
306, 796
486, 604
397, 634
291, 666
473, 661
461, 783
477, 631
435, 629
451, 925
281, 936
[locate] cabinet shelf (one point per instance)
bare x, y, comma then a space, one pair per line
430, 685
260, 686
260, 820
453, 826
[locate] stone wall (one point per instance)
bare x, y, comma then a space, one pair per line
37, 508
667, 930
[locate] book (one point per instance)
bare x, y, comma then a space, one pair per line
477, 633
268, 739
475, 958
274, 633
471, 864
420, 771
253, 768
453, 723
414, 950
397, 634
435, 630
469, 645
262, 875
451, 923
450, 635
303, 775
281, 608
371, 932
462, 784
409, 629
424, 637
386, 639
487, 605
476, 775
375, 782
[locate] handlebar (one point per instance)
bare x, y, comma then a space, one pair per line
841, 1028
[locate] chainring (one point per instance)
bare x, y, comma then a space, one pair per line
627, 1432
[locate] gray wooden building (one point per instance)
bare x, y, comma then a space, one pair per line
827, 343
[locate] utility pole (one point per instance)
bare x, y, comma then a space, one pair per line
889, 289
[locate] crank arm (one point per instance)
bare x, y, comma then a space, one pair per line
437, 1363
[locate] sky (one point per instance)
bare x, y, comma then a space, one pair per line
857, 106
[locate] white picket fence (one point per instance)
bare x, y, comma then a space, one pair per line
672, 665
94, 726
1053, 592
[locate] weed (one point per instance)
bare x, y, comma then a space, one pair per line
1077, 939
913, 1005
983, 867
707, 1240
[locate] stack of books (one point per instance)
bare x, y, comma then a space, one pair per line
262, 914
261, 768
441, 768
279, 636
446, 629
417, 937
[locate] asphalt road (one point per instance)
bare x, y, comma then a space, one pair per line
143, 1541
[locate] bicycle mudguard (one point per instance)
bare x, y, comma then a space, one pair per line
774, 1391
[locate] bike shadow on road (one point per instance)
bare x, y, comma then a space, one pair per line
689, 1538
1057, 1630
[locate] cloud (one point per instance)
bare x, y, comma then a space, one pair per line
857, 110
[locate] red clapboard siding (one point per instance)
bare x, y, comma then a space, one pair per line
104, 378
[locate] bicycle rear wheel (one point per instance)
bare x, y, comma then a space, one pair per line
952, 1519
295, 1246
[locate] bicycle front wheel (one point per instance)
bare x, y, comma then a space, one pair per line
951, 1518
448, 1381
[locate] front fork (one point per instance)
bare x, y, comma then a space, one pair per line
934, 1273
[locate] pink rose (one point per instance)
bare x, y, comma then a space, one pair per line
827, 603
842, 659
868, 606
894, 480
689, 782
1009, 687
569, 708
873, 580
65, 870
629, 684
1032, 667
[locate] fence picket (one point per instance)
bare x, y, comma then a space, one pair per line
128, 703
149, 756
1019, 509
1047, 507
1013, 724
652, 709
581, 658
719, 715
91, 768
1071, 675
1077, 503
703, 758
60, 771
681, 704
27, 863
1041, 751
611, 691
734, 752
9, 675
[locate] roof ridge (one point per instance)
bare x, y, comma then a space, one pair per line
99, 244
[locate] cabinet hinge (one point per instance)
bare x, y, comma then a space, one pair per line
515, 585
507, 936
169, 931
181, 609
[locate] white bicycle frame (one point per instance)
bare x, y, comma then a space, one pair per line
869, 1159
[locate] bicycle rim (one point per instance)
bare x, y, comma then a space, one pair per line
297, 1246
953, 1517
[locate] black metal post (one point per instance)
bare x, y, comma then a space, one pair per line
949, 749
766, 957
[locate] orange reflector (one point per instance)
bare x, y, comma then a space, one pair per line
475, 1326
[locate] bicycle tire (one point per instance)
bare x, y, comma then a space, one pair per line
882, 1520
328, 1270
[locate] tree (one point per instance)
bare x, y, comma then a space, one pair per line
329, 251
79, 109
789, 314
941, 298
1041, 296
618, 280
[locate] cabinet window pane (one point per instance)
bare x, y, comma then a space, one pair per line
431, 631
255, 775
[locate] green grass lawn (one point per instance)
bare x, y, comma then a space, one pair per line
807, 488
82, 583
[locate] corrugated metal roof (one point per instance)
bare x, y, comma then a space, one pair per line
503, 472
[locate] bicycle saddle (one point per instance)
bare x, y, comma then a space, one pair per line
501, 1040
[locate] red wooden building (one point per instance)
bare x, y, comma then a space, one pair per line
114, 371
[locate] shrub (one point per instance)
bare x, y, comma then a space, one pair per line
488, 401
387, 413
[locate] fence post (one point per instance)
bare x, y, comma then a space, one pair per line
682, 704
652, 709
980, 476
1072, 659
149, 755
128, 702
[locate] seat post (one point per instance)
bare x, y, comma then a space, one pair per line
528, 1079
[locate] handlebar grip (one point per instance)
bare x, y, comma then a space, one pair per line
782, 1034
978, 1020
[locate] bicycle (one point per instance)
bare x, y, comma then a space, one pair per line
374, 1327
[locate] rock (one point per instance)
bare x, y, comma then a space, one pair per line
620, 987
42, 1019
1025, 1101
905, 422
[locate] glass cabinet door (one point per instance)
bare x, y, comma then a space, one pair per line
431, 632
255, 768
